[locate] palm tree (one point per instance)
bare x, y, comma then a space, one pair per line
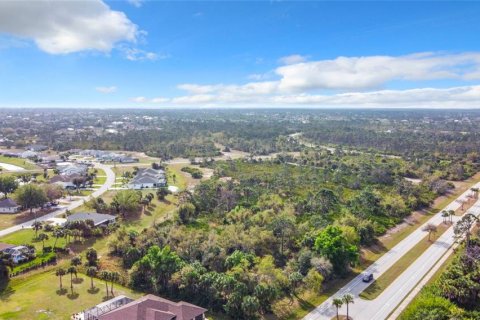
105, 276
337, 303
75, 262
42, 237
60, 273
445, 215
347, 299
57, 233
114, 276
37, 225
430, 228
91, 272
72, 270
451, 213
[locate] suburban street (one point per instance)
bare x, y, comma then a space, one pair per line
391, 297
75, 204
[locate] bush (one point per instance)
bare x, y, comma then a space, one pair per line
194, 172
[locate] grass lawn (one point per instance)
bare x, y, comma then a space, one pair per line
26, 236
380, 284
101, 177
26, 164
8, 220
38, 297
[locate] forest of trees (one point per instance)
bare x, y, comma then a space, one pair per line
262, 231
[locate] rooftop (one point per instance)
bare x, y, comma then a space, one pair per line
151, 307
97, 218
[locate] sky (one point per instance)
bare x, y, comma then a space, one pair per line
239, 54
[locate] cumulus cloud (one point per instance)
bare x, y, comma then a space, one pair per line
61, 27
106, 90
346, 73
349, 82
455, 97
292, 59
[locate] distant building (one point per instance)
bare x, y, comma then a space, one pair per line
36, 147
28, 155
9, 206
68, 169
97, 218
66, 181
148, 178
149, 307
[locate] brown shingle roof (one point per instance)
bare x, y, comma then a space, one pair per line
151, 307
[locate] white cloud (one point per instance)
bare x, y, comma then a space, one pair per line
292, 59
135, 54
61, 27
139, 99
160, 100
455, 97
106, 90
136, 3
346, 73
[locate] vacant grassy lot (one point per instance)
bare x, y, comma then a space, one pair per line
26, 164
38, 297
380, 284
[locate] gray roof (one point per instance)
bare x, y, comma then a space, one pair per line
97, 218
8, 203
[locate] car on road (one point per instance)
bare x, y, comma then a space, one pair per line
367, 277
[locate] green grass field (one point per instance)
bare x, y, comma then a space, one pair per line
26, 164
38, 297
26, 236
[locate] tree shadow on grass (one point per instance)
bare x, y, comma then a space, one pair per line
304, 304
73, 296
61, 292
78, 280
94, 290
5, 291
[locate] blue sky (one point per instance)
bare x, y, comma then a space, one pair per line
159, 54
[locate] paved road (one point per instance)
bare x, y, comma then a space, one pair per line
107, 185
391, 297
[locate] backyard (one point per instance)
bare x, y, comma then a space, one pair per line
28, 297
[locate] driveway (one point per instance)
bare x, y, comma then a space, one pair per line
106, 186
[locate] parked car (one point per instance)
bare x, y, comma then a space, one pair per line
368, 277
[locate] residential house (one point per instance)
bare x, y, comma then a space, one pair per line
148, 178
37, 147
149, 307
68, 169
17, 253
29, 155
66, 181
9, 206
97, 218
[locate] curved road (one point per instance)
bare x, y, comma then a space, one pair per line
392, 296
107, 185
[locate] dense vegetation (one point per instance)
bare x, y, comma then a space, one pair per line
260, 231
455, 294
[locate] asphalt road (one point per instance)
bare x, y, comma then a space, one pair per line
390, 298
107, 185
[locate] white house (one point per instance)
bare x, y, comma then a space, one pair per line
148, 178
9, 206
